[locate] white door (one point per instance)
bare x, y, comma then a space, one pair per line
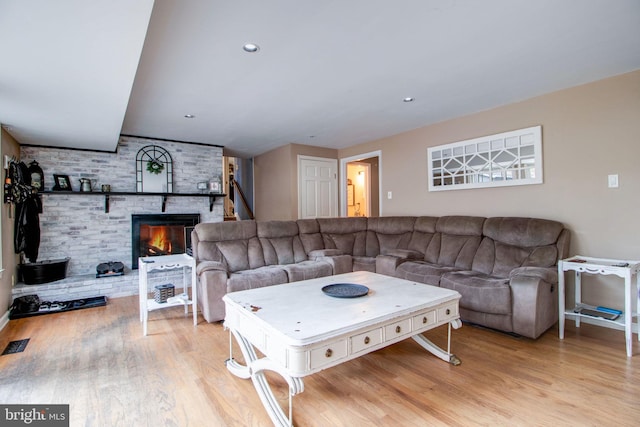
317, 187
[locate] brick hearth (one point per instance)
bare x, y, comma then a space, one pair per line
87, 285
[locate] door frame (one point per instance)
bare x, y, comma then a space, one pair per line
343, 178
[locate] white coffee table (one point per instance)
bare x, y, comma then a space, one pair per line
301, 330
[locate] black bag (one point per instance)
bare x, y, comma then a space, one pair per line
26, 304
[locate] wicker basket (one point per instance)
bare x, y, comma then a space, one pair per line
163, 292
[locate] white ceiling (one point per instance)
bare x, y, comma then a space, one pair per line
329, 73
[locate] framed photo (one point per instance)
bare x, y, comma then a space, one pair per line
61, 183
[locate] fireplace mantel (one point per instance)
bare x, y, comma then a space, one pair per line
212, 196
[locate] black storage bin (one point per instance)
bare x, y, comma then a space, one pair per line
36, 273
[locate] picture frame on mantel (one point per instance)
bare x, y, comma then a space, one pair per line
61, 183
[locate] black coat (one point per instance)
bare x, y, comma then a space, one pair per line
28, 207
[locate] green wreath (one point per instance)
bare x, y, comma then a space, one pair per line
155, 167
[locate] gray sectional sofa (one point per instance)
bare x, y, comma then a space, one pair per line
504, 267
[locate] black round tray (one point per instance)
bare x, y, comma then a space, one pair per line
345, 290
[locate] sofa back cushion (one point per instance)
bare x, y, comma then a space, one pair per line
385, 234
233, 243
345, 234
280, 242
456, 241
517, 242
309, 231
424, 229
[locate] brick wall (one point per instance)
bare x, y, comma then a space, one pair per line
77, 226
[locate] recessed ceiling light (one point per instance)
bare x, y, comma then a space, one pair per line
408, 99
189, 116
251, 47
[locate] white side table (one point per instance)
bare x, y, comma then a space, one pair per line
167, 262
621, 268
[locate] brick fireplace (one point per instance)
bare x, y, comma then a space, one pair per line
77, 226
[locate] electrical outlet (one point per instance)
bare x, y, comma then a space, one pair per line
389, 195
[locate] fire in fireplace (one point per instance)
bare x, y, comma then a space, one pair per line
161, 234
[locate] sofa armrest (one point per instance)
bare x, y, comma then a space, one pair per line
405, 254
203, 266
323, 252
339, 263
212, 286
387, 264
534, 302
549, 275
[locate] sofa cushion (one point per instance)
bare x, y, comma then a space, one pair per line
256, 278
423, 231
523, 232
280, 242
404, 253
307, 270
233, 243
423, 272
388, 233
364, 263
310, 236
517, 242
460, 225
480, 292
456, 240
241, 255
346, 234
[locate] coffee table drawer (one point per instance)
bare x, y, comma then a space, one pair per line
329, 353
365, 340
397, 329
423, 320
447, 312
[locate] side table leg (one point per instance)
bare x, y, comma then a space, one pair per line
637, 305
628, 315
255, 370
578, 294
428, 345
561, 300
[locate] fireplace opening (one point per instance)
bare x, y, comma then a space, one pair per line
161, 234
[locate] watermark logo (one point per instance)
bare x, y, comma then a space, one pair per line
34, 415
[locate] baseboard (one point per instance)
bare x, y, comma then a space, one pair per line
4, 320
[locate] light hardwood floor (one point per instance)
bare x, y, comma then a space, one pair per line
97, 361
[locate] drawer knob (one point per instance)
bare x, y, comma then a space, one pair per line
424, 320
448, 311
398, 329
367, 340
328, 353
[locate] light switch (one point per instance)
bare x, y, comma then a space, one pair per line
613, 181
389, 195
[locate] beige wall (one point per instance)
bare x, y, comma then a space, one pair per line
588, 132
9, 258
276, 180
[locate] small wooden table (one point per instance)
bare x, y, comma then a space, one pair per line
624, 269
301, 330
166, 262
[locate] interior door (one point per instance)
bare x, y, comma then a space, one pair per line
317, 187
